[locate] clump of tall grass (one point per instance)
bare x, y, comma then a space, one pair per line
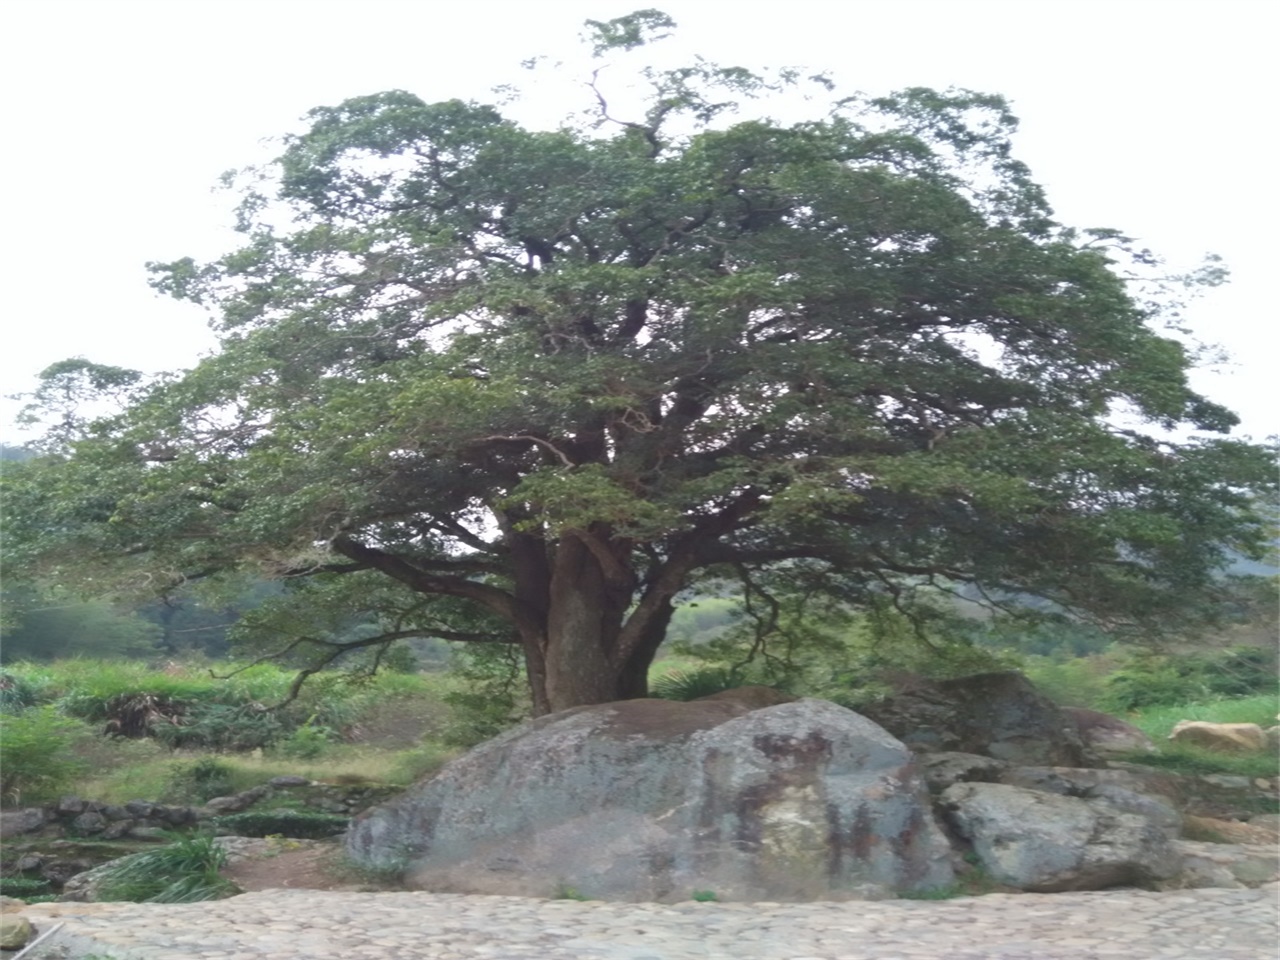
185, 871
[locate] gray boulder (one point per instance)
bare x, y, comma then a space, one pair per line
1106, 735
1000, 715
1045, 842
1153, 798
649, 800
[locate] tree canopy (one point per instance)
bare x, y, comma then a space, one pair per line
526, 386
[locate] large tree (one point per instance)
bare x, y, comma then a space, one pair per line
526, 386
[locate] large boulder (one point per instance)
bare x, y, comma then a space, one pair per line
1000, 715
650, 800
1045, 842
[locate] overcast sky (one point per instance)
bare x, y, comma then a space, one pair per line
1151, 117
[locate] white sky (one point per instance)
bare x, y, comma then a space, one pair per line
1151, 117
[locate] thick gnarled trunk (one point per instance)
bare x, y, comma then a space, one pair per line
595, 646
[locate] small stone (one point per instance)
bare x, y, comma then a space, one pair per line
289, 780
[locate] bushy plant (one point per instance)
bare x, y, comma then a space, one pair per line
38, 758
16, 693
182, 872
220, 726
489, 696
1148, 678
307, 741
198, 782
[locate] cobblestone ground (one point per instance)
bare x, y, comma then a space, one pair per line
314, 925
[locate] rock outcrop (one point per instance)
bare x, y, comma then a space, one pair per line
651, 800
1000, 715
1046, 842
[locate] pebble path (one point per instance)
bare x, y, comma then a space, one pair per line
318, 925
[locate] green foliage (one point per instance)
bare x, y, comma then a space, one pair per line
307, 741
488, 697
185, 871
1158, 721
1079, 682
198, 781
24, 888
1149, 679
681, 685
52, 625
16, 693
1193, 761
704, 896
38, 756
298, 824
485, 383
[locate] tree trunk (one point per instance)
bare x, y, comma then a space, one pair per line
584, 621
587, 637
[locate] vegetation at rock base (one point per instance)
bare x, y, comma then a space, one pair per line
517, 387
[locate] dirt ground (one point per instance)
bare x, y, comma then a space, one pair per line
299, 865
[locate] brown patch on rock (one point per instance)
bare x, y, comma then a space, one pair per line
753, 697
664, 719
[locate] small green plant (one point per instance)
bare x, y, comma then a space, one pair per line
565, 892
38, 757
704, 896
307, 741
690, 685
182, 872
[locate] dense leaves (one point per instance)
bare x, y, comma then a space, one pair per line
526, 386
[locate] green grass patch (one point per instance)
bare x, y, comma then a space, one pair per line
1158, 721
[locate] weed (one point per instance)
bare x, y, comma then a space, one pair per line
566, 892
704, 896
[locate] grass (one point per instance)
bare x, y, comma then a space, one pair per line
1158, 721
185, 871
145, 774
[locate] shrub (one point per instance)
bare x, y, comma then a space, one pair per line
307, 741
38, 757
182, 872
219, 726
198, 782
1148, 679
16, 693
